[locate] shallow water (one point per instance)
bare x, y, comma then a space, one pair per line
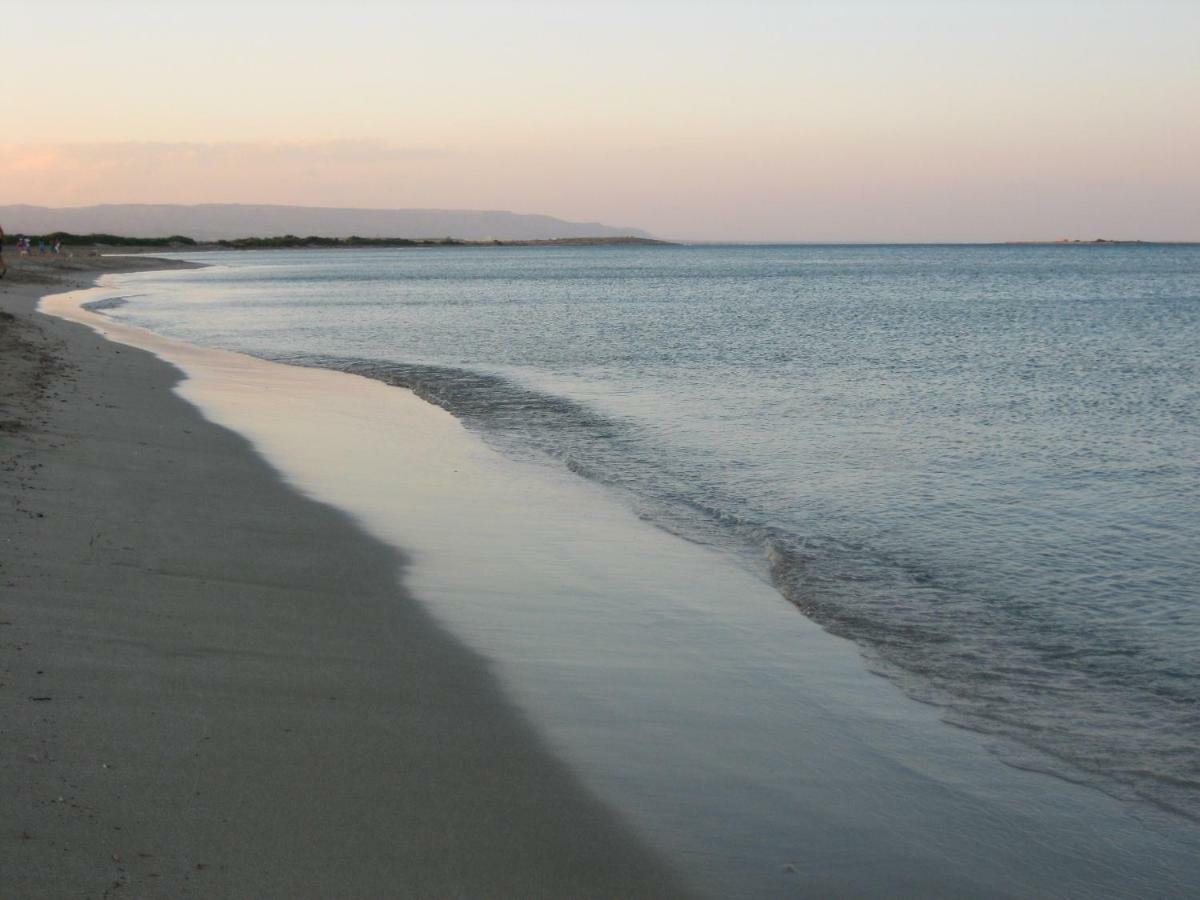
979, 463
747, 745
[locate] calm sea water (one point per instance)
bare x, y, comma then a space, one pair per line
980, 463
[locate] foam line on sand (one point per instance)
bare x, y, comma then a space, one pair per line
212, 683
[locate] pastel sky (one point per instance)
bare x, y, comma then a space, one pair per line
889, 121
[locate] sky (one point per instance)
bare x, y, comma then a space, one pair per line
803, 121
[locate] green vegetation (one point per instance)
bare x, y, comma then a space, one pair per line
291, 240
105, 240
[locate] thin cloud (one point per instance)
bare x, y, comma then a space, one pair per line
301, 172
46, 156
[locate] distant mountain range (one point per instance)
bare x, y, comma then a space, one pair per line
227, 221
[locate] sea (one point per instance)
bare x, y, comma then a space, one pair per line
981, 464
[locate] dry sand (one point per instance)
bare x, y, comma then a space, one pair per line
213, 686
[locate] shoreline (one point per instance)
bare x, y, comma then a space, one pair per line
243, 698
749, 748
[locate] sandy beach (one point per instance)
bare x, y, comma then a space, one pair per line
212, 685
283, 630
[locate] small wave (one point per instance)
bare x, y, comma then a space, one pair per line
998, 669
991, 664
106, 303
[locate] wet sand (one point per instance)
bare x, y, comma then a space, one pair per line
749, 748
212, 685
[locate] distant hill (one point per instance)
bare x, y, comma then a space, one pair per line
228, 221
